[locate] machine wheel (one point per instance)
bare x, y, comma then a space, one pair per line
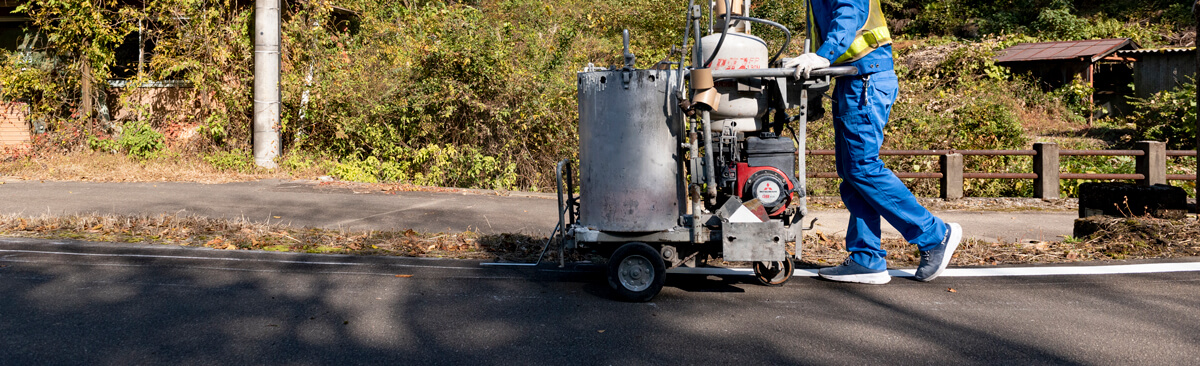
774, 273
636, 272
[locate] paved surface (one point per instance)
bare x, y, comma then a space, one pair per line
306, 203
992, 226
112, 304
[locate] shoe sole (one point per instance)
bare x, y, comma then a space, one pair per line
867, 278
955, 238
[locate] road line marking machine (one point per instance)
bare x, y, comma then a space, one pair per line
681, 164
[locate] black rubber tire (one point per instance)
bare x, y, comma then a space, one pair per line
641, 258
774, 273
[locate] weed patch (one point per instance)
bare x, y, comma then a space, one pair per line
245, 235
1118, 238
1115, 239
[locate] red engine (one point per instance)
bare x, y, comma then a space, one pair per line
768, 184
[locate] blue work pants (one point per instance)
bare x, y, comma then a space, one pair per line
869, 189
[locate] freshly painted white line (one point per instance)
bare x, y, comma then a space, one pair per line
984, 272
949, 272
229, 259
1067, 270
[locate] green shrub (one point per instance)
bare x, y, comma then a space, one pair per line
1148, 22
103, 145
1168, 116
988, 125
297, 161
356, 170
1091, 165
237, 160
433, 165
1060, 24
140, 141
482, 93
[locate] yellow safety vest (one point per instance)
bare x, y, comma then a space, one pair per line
872, 35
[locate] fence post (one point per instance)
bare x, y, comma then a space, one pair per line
952, 176
1153, 163
1196, 22
1045, 165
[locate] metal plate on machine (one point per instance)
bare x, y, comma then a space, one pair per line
629, 161
753, 241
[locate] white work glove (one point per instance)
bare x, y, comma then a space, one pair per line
806, 63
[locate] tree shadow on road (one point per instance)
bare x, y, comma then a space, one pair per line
158, 307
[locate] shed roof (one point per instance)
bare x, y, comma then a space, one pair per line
1092, 50
1173, 50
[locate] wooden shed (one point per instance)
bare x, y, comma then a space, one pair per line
1095, 62
14, 125
1156, 70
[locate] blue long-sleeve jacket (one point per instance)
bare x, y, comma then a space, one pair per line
837, 23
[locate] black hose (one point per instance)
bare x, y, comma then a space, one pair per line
786, 33
724, 31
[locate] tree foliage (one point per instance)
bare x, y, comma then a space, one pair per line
481, 93
78, 36
1168, 116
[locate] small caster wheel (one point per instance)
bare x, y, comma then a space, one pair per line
774, 273
636, 272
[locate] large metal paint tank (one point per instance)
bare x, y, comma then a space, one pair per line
629, 150
737, 110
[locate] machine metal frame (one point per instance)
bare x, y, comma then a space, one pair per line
639, 257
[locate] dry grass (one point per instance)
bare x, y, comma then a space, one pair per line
245, 235
105, 167
1118, 238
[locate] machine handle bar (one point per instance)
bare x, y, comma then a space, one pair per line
782, 72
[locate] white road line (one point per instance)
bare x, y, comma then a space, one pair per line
416, 206
949, 272
230, 259
986, 272
1064, 270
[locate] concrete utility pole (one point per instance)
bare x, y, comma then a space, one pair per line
266, 82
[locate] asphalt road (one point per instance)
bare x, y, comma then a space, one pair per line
113, 304
308, 203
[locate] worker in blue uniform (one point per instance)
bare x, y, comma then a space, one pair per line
854, 33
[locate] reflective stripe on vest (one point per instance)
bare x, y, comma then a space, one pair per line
872, 35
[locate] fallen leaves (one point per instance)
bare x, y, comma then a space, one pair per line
951, 290
404, 276
240, 234
1119, 238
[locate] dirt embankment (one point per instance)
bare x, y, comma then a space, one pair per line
1114, 239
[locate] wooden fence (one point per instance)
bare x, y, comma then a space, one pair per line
1150, 167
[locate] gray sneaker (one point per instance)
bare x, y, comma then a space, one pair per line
851, 271
935, 260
